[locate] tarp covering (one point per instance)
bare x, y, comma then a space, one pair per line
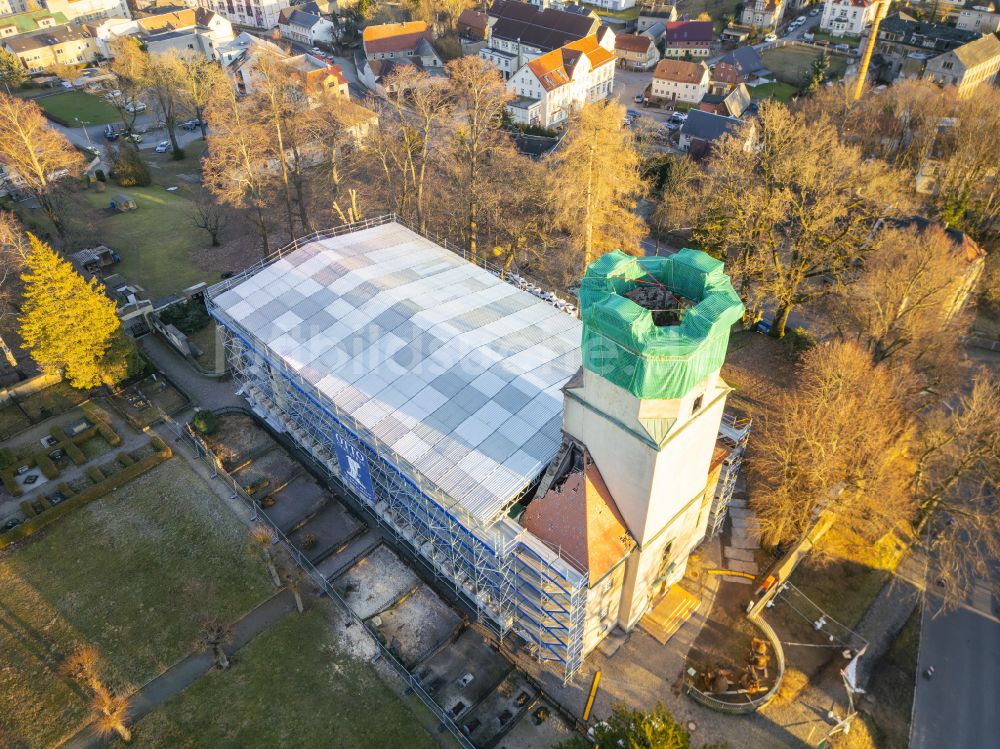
622, 344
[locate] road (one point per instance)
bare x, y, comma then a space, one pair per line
144, 122
958, 707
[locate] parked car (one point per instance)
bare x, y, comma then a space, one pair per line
815, 11
111, 132
808, 37
772, 37
191, 125
112, 95
678, 117
163, 146
843, 48
135, 106
637, 98
12, 523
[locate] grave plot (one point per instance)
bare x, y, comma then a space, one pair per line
375, 582
540, 727
499, 712
327, 531
462, 674
416, 626
294, 502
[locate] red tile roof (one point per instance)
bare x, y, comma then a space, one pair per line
633, 43
395, 37
581, 519
680, 71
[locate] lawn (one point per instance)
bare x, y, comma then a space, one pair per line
155, 242
778, 90
291, 686
76, 104
790, 64
133, 574
717, 9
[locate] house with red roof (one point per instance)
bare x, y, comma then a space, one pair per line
549, 88
636, 51
411, 40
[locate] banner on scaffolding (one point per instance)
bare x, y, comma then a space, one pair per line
354, 467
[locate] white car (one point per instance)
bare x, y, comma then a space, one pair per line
163, 146
815, 11
771, 38
134, 107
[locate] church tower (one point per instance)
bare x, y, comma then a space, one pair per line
649, 403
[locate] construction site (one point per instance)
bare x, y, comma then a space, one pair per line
554, 472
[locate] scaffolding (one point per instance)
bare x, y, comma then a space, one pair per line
513, 581
734, 431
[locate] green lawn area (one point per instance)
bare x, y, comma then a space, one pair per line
789, 64
293, 687
133, 574
70, 104
155, 242
717, 9
778, 90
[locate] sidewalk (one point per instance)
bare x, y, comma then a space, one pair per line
203, 391
185, 672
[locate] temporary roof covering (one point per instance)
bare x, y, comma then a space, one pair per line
454, 371
622, 344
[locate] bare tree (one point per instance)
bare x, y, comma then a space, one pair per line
596, 181
211, 217
128, 63
213, 636
481, 98
199, 79
259, 541
235, 169
839, 444
794, 213
164, 77
38, 154
956, 478
13, 250
109, 707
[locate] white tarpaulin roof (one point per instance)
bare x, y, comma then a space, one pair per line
454, 369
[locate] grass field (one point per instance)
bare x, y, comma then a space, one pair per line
291, 687
132, 574
789, 64
778, 90
76, 104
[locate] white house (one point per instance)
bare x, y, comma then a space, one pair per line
188, 30
257, 14
764, 14
549, 88
614, 5
677, 80
307, 28
978, 18
847, 17
89, 10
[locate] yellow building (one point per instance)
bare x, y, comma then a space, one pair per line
69, 44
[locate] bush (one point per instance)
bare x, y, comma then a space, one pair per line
160, 445
94, 474
100, 176
46, 466
6, 458
129, 168
125, 459
799, 340
110, 435
205, 422
75, 453
58, 434
188, 317
27, 509
66, 489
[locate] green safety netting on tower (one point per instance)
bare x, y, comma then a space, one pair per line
622, 344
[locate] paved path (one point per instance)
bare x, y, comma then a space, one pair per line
185, 672
203, 391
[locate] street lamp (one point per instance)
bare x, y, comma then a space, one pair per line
85, 130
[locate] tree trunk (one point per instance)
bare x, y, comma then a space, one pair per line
7, 353
298, 600
781, 320
221, 659
274, 573
122, 730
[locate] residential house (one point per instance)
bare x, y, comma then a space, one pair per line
968, 66
238, 58
847, 17
518, 33
654, 13
613, 5
25, 23
904, 45
688, 39
306, 28
763, 14
741, 65
89, 10
396, 41
679, 80
978, 18
731, 103
10, 7
251, 14
69, 44
185, 30
471, 24
701, 130
636, 51
656, 32
549, 88
318, 75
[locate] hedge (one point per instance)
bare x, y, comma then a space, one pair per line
94, 474
66, 489
29, 527
27, 509
46, 466
109, 434
58, 434
75, 453
125, 459
6, 458
10, 484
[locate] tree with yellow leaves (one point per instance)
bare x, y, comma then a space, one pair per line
67, 322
